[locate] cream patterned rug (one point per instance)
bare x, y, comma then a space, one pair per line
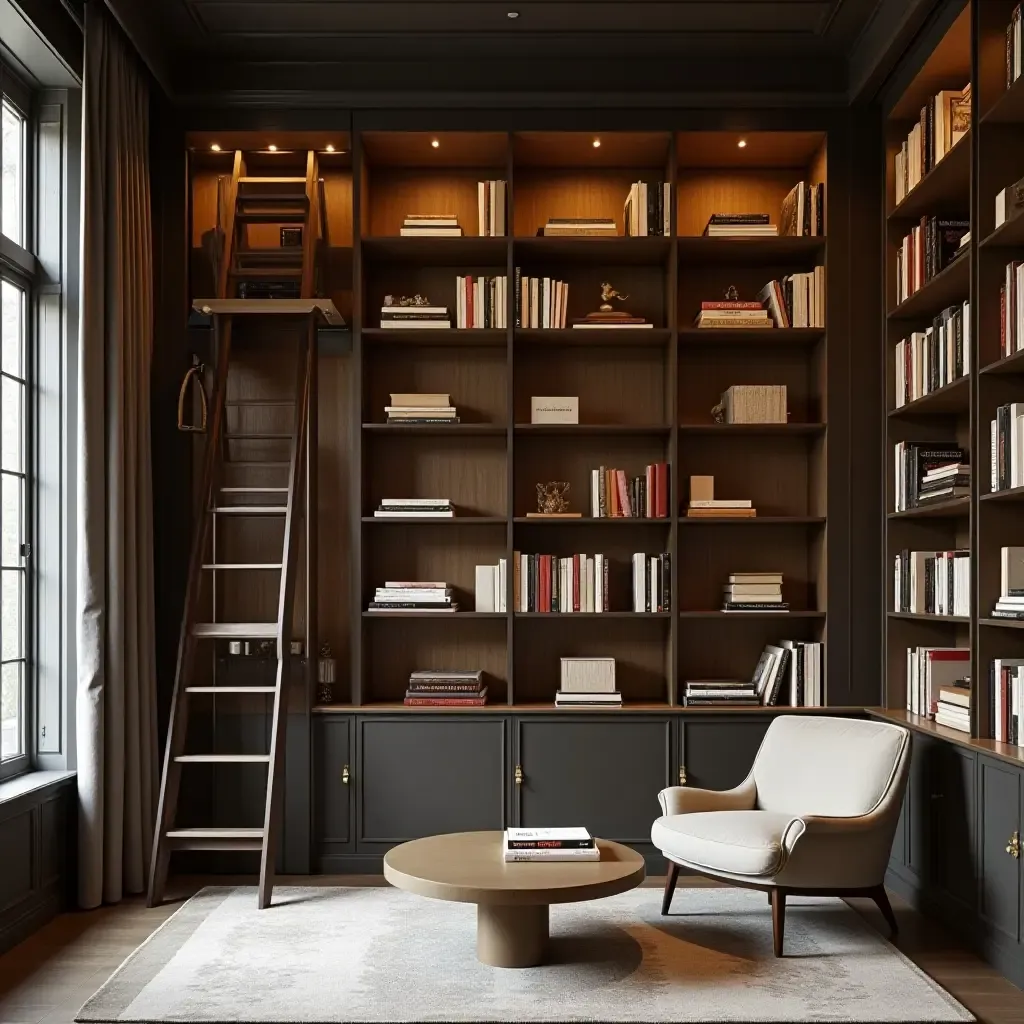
343, 955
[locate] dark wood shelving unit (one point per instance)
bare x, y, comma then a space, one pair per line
939, 190
1007, 494
954, 508
954, 397
941, 291
750, 337
1012, 364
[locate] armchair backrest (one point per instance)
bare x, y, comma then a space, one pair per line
832, 767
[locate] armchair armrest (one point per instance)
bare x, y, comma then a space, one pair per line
687, 800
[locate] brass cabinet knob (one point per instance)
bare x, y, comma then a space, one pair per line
682, 775
346, 775
519, 774
1013, 848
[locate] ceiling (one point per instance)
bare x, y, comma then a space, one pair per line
218, 47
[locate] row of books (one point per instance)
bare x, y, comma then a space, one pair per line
755, 403
540, 301
549, 583
803, 210
925, 471
579, 227
1013, 47
943, 121
421, 408
732, 314
930, 359
721, 508
796, 300
753, 592
614, 495
413, 596
491, 590
491, 201
647, 210
1011, 309
1010, 604
1007, 446
481, 301
930, 669
652, 582
414, 508
930, 247
789, 672
549, 844
932, 582
446, 688
407, 318
1008, 701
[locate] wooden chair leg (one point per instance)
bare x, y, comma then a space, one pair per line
670, 886
881, 898
778, 900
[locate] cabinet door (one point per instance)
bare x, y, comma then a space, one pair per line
717, 753
424, 775
954, 832
601, 773
333, 782
898, 857
999, 891
919, 808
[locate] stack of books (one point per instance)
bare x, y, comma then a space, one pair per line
719, 693
754, 592
431, 225
937, 356
446, 688
721, 508
540, 301
575, 227
1011, 585
491, 587
588, 682
421, 408
652, 582
413, 596
732, 315
615, 495
647, 209
740, 225
549, 844
755, 403
933, 582
927, 251
414, 508
954, 708
1007, 440
481, 301
490, 199
914, 460
945, 482
944, 120
929, 669
803, 210
415, 317
548, 583
796, 300
1008, 700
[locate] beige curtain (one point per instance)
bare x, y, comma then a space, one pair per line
116, 706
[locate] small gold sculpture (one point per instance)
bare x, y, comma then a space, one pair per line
732, 294
607, 294
551, 498
606, 315
718, 412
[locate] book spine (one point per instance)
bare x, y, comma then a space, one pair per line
550, 844
445, 702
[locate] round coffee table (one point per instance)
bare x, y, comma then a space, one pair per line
511, 900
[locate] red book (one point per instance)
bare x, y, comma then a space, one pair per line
661, 489
545, 583
731, 305
575, 583
468, 285
620, 483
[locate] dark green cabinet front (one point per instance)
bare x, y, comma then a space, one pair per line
718, 753
333, 788
953, 773
1000, 889
600, 773
421, 776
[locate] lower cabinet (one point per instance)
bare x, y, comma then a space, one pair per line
718, 753
333, 790
1000, 890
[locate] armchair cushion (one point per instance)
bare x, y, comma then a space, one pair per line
749, 843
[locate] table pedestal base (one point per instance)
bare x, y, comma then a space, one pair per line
511, 936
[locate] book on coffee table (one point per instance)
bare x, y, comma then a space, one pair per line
549, 844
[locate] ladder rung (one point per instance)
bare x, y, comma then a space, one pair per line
221, 566
231, 689
271, 181
223, 759
271, 273
272, 216
256, 436
249, 510
215, 839
254, 490
232, 630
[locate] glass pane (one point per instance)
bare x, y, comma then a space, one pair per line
12, 329
11, 706
13, 174
11, 522
11, 614
11, 425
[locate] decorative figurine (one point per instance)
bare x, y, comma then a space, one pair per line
732, 294
326, 671
551, 498
405, 300
606, 315
607, 294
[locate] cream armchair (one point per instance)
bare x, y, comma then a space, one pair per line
815, 816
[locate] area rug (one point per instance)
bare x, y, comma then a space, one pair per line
374, 955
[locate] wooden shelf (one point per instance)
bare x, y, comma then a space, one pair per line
618, 251
685, 520
466, 251
954, 397
792, 614
482, 337
1009, 108
751, 337
548, 708
1002, 623
946, 187
921, 617
749, 251
1009, 235
954, 508
434, 429
1007, 494
753, 429
593, 521
654, 336
592, 615
1011, 364
592, 429
439, 521
950, 286
446, 616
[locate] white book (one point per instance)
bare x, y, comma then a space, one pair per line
599, 583
484, 588
548, 856
413, 502
411, 513
591, 598
652, 585
572, 833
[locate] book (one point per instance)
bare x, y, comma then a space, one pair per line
720, 503
434, 401
755, 606
417, 701
543, 856
548, 838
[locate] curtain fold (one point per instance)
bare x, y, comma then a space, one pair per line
116, 705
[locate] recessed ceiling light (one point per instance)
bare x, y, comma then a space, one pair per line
330, 147
435, 143
597, 143
513, 14
742, 143
272, 148
215, 146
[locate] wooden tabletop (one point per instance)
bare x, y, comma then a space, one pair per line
467, 867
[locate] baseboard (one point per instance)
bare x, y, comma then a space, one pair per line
20, 921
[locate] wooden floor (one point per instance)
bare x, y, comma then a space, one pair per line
46, 979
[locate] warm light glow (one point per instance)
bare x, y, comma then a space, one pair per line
215, 146
272, 148
330, 148
435, 143
597, 143
742, 143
